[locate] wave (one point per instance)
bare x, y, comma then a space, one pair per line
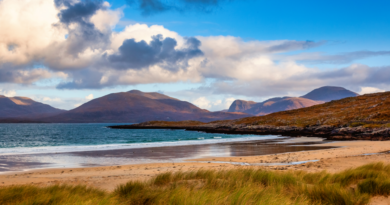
84, 148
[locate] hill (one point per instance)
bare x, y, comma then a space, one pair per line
370, 108
329, 93
23, 107
137, 106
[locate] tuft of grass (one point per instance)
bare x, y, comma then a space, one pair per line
373, 125
356, 124
130, 188
375, 187
235, 186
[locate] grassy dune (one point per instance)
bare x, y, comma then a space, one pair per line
237, 186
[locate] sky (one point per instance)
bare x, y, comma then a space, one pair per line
208, 52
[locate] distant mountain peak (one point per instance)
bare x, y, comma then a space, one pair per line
151, 95
240, 105
329, 93
135, 91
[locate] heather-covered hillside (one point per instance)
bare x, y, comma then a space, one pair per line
370, 109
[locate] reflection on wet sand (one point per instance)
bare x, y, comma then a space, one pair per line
151, 155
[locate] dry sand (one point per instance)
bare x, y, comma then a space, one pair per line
350, 154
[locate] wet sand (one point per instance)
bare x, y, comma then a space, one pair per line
165, 154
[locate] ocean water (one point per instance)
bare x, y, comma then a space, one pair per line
55, 138
36, 146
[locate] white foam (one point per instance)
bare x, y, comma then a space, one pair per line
83, 148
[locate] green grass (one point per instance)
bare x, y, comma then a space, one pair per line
236, 186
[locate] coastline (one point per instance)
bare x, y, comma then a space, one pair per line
158, 152
324, 131
348, 154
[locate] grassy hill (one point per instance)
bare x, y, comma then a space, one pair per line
372, 110
369, 111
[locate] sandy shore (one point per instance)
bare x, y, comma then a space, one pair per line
350, 154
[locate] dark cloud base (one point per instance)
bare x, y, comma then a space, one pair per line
138, 55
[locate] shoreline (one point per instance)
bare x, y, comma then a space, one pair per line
245, 146
348, 154
324, 131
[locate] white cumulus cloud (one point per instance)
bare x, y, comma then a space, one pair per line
366, 90
89, 97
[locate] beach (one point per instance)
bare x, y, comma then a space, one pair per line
348, 154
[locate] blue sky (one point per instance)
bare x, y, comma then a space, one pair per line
315, 39
362, 24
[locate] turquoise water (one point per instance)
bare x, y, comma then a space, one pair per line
36, 146
47, 138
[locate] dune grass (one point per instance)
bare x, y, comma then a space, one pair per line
236, 186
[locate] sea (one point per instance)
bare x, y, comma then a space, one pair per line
50, 145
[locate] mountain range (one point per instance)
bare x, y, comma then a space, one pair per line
133, 106
315, 97
136, 106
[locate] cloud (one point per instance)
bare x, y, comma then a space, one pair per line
343, 58
297, 83
75, 37
82, 33
138, 55
89, 97
228, 102
50, 100
8, 93
65, 103
79, 12
202, 102
209, 102
293, 45
150, 7
23, 76
75, 40
366, 90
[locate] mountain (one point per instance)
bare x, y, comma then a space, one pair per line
273, 105
137, 106
329, 93
23, 107
152, 95
315, 97
241, 106
280, 104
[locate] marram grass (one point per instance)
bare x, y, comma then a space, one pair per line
237, 186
